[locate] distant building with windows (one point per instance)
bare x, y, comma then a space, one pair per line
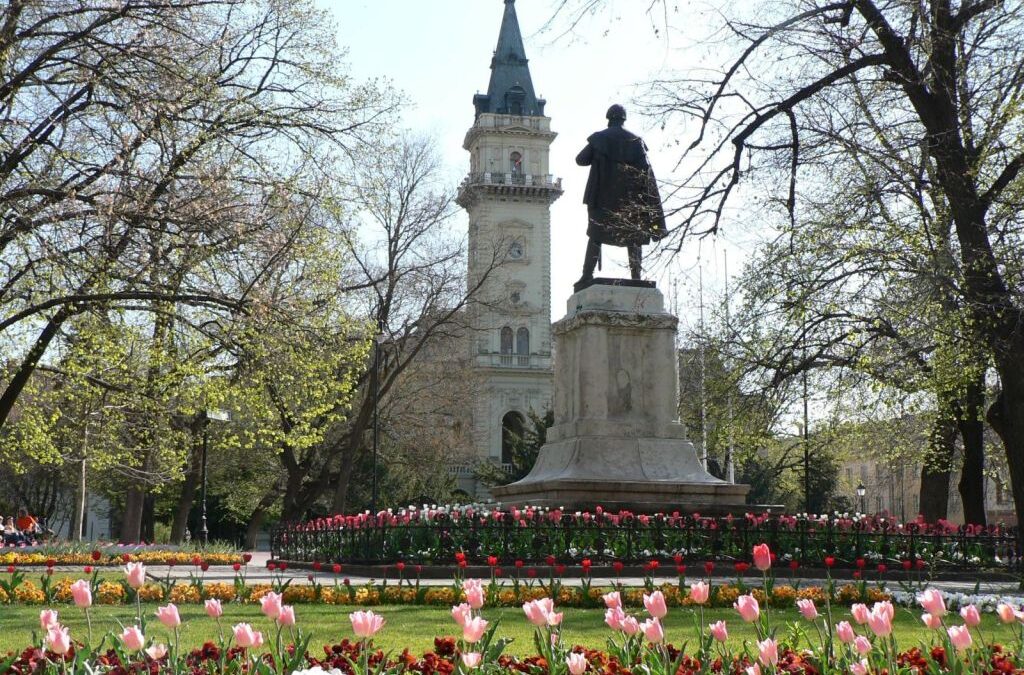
507, 195
893, 485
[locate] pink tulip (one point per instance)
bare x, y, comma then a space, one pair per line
700, 592
970, 615
748, 608
157, 651
718, 631
630, 626
474, 630
133, 638
762, 557
554, 618
652, 630
613, 616
48, 618
655, 604
168, 616
58, 639
862, 644
612, 600
246, 637
462, 613
860, 667
270, 605
932, 602
931, 620
538, 611
474, 590
753, 670
879, 620
366, 624
960, 637
287, 616
860, 613
844, 631
577, 663
807, 609
1007, 614
472, 659
136, 573
214, 610
768, 652
81, 593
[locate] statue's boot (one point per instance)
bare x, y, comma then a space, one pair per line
634, 262
590, 262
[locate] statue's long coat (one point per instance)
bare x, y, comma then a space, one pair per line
622, 199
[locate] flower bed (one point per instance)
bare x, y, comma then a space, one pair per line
826, 640
114, 555
436, 535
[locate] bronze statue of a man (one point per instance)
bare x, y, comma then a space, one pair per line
623, 204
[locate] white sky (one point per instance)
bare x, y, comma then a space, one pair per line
439, 52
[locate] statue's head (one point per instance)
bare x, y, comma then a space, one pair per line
616, 114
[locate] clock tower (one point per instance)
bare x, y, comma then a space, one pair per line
508, 194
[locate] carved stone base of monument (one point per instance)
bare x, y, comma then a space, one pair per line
617, 441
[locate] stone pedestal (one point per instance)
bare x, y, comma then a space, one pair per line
617, 441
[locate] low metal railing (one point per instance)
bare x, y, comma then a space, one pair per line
636, 540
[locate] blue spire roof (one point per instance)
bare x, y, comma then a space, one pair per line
510, 91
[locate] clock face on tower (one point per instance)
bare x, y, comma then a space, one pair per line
515, 250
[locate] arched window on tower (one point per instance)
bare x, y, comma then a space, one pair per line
506, 346
512, 425
523, 346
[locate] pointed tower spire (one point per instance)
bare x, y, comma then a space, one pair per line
510, 91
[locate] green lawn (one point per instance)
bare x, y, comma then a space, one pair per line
415, 627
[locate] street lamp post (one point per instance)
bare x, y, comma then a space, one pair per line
861, 491
375, 385
220, 416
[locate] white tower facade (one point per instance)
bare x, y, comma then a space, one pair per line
508, 194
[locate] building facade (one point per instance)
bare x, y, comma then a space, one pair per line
507, 195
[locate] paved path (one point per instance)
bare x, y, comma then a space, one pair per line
257, 572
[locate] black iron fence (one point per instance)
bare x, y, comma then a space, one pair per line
570, 539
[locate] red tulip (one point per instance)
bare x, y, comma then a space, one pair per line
336, 568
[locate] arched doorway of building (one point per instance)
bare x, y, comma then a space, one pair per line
512, 425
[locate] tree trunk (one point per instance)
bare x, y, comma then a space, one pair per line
972, 476
1006, 415
935, 473
339, 503
188, 490
78, 522
256, 519
28, 365
147, 527
131, 519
